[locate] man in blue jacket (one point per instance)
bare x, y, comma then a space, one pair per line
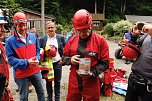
23, 52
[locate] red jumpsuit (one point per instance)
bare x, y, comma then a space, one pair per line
4, 70
96, 48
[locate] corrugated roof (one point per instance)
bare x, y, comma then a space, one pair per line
136, 18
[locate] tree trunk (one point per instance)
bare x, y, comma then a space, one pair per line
104, 6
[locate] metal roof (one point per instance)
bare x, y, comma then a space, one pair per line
136, 18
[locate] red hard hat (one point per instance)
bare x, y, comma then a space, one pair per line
131, 51
82, 19
19, 17
50, 51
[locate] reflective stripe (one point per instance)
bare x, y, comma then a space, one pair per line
50, 75
20, 20
48, 64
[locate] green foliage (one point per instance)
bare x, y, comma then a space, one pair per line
59, 27
61, 13
108, 29
68, 26
139, 7
13, 8
41, 32
113, 19
11, 5
121, 26
117, 28
63, 10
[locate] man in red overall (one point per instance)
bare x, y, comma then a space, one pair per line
86, 44
4, 68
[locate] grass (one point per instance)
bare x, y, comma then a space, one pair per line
114, 97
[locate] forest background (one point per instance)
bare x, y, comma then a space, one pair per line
62, 10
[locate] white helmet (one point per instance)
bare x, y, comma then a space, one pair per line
2, 18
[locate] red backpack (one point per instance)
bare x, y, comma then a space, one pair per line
108, 78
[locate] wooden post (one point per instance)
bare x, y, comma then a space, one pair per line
42, 16
95, 7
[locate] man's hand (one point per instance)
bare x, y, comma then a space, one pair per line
33, 61
147, 29
75, 59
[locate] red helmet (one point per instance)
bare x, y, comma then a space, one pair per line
50, 51
131, 51
82, 19
19, 17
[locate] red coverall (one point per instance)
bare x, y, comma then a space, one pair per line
96, 48
4, 70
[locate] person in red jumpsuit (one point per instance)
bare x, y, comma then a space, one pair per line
86, 44
4, 68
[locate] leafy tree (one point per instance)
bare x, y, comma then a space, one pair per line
138, 7
56, 8
11, 5
63, 10
121, 26
59, 28
12, 8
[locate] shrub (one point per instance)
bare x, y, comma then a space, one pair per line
108, 29
121, 26
59, 28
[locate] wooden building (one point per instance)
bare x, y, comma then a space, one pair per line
95, 7
97, 21
34, 19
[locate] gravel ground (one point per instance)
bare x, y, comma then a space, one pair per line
32, 96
